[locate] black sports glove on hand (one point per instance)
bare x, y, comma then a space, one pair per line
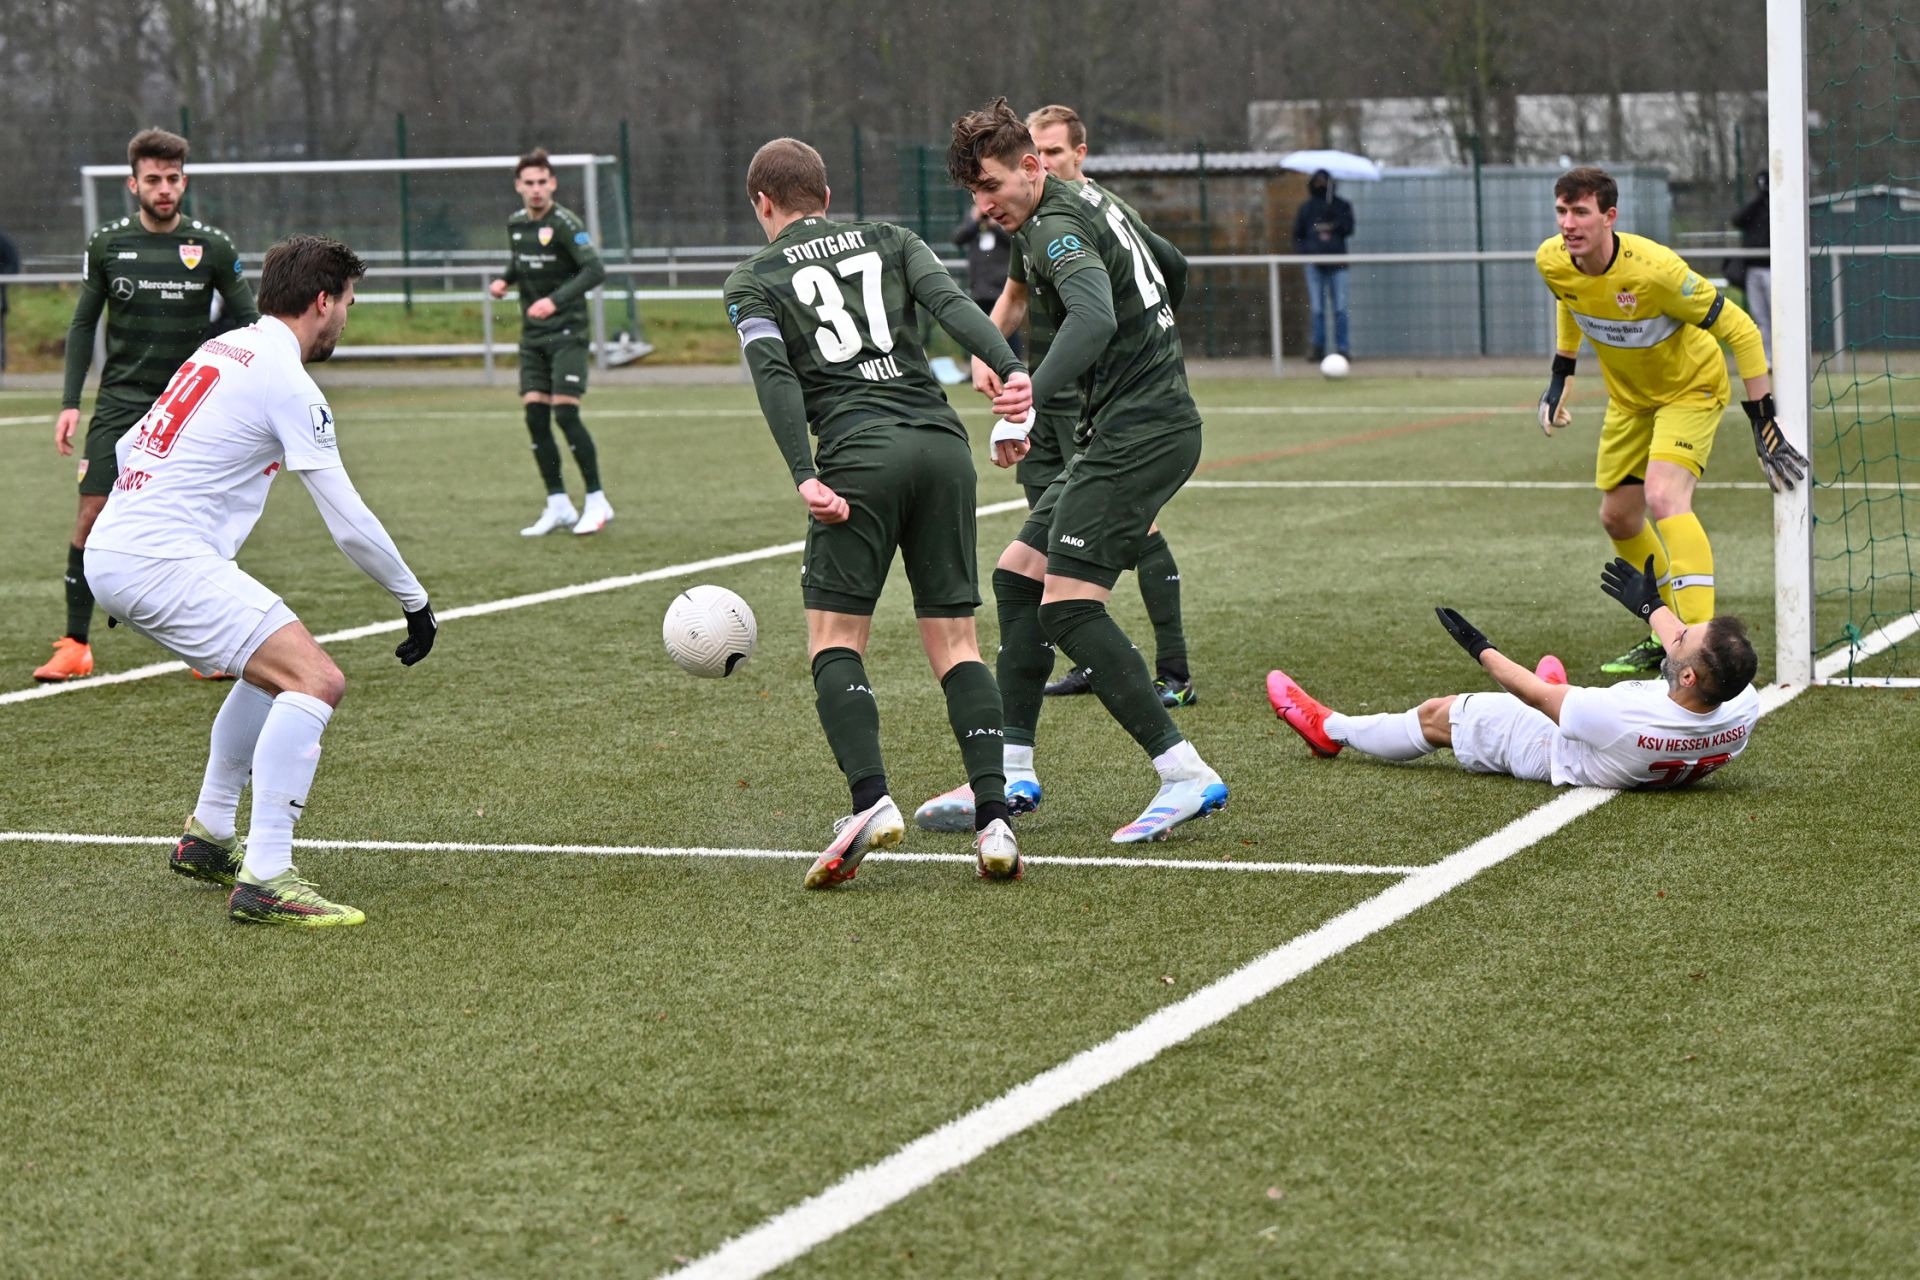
1464, 633
421, 629
1782, 463
1553, 410
1635, 588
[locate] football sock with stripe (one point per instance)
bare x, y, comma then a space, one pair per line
236, 734
284, 760
546, 454
1390, 735
1087, 634
79, 595
1026, 656
1635, 551
1159, 578
974, 711
851, 719
1691, 557
580, 442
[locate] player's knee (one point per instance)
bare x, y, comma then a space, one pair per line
1620, 524
1436, 720
326, 682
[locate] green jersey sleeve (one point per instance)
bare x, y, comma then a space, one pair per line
85, 323
933, 287
588, 271
775, 383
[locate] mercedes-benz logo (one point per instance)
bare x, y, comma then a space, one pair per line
122, 288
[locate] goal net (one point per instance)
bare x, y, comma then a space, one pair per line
1848, 350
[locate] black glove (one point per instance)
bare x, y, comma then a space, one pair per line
1635, 588
1553, 413
421, 629
1782, 463
1465, 634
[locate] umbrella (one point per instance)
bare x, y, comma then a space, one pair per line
1343, 165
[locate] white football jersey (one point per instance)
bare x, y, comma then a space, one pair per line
194, 472
1633, 735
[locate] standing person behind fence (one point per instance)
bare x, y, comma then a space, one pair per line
9, 266
155, 275
553, 260
1321, 227
988, 249
1755, 221
1655, 324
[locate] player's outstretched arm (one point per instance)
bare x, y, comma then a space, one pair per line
365, 541
1507, 673
1638, 591
1090, 324
934, 288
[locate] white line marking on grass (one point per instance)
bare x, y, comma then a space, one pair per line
865, 1192
703, 851
472, 610
1480, 484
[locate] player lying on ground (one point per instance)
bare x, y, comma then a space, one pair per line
193, 480
828, 321
1639, 733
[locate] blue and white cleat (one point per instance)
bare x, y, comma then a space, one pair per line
953, 810
1178, 802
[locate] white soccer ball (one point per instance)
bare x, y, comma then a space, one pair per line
709, 631
1334, 366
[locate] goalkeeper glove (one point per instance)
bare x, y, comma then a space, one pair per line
1553, 404
421, 629
1637, 589
1465, 634
1782, 463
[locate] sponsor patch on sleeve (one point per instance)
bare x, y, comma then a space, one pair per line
322, 417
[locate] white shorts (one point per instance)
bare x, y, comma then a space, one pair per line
1498, 733
207, 610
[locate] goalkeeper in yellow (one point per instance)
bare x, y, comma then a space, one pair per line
1653, 322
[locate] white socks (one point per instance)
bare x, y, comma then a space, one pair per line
1179, 762
1391, 735
1016, 762
284, 760
235, 730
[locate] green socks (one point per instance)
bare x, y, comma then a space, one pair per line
546, 454
1087, 634
79, 595
1159, 580
1026, 657
851, 719
588, 458
973, 709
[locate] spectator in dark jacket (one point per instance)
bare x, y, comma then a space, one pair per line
1754, 219
988, 249
9, 266
1322, 226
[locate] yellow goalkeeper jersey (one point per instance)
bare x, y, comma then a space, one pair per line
1652, 320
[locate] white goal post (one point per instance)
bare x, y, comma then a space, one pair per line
1792, 334
588, 164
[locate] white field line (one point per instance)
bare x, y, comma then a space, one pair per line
865, 1192
473, 610
704, 851
1484, 484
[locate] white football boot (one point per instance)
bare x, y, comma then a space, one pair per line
996, 854
1195, 794
559, 512
596, 513
854, 836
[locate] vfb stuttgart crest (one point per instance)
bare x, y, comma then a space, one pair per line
190, 255
1627, 301
546, 236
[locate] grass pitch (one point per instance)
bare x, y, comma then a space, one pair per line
1675, 1037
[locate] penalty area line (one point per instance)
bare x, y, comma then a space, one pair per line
704, 851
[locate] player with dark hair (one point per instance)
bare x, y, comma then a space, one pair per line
194, 476
1115, 337
1655, 324
155, 275
1638, 733
556, 266
829, 326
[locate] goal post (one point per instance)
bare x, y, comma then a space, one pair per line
355, 200
1792, 334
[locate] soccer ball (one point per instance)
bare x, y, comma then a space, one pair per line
1334, 366
709, 631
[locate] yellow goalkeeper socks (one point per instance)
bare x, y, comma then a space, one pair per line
1690, 586
1635, 551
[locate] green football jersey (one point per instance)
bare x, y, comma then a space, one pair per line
842, 297
553, 257
157, 288
1141, 376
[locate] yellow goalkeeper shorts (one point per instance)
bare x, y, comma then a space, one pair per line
1680, 434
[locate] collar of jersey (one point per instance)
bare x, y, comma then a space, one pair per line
282, 331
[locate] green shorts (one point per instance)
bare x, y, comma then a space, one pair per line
1093, 520
1049, 445
98, 466
555, 366
908, 488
